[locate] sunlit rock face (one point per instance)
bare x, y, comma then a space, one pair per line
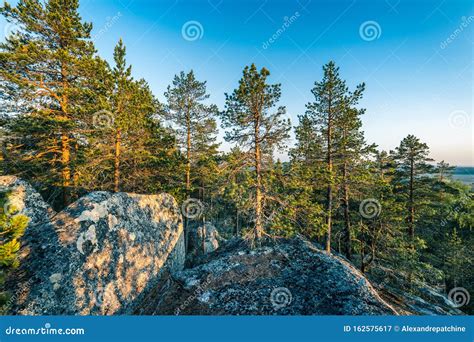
99, 256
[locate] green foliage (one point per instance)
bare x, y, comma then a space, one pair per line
248, 112
71, 123
196, 129
48, 74
12, 228
250, 123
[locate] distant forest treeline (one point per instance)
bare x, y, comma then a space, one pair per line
71, 123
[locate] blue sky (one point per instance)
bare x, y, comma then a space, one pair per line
417, 80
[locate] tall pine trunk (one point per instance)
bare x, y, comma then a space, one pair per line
411, 218
347, 222
65, 166
118, 143
65, 140
188, 176
188, 156
329, 189
75, 172
258, 195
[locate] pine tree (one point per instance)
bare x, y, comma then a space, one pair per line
443, 170
307, 173
326, 115
376, 237
235, 187
252, 125
412, 165
194, 119
205, 158
132, 110
308, 149
350, 151
121, 99
195, 122
48, 66
12, 227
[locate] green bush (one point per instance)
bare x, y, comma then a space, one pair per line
12, 227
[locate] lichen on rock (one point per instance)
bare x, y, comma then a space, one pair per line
99, 255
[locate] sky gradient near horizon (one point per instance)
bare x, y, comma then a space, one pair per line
415, 56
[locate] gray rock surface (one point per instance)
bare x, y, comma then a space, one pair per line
282, 277
203, 238
100, 255
421, 299
124, 254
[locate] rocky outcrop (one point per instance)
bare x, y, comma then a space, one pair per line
203, 238
124, 254
283, 277
420, 299
100, 255
27, 201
